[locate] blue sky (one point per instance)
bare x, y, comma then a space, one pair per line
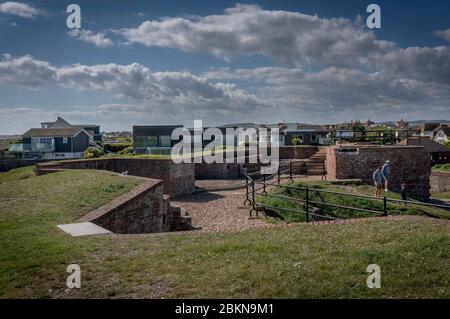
162, 62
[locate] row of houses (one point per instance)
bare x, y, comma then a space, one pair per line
63, 140
157, 139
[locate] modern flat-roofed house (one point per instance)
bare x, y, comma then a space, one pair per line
52, 143
305, 133
153, 139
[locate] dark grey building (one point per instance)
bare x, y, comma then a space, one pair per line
52, 143
153, 138
304, 133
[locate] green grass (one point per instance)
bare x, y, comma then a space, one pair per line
341, 200
441, 167
302, 261
17, 174
30, 209
442, 195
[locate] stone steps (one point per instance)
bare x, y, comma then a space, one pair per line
180, 219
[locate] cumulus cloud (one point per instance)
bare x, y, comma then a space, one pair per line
337, 90
292, 39
443, 34
271, 93
26, 71
98, 39
134, 81
20, 9
289, 37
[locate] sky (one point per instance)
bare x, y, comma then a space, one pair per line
170, 62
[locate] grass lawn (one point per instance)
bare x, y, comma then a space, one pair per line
441, 168
293, 262
441, 195
357, 189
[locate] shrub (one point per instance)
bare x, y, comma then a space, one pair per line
127, 151
296, 140
93, 152
116, 148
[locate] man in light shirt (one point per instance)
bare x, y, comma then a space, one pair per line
378, 180
386, 171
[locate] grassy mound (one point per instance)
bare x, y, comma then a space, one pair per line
302, 261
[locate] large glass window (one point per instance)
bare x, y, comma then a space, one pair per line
145, 141
165, 141
42, 143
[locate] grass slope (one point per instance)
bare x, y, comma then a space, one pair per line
299, 261
31, 207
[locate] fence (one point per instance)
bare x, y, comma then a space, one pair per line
258, 187
382, 137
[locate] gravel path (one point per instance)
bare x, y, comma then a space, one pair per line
220, 211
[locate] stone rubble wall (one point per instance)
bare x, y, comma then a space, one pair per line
179, 179
410, 165
439, 182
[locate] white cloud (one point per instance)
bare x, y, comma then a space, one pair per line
20, 9
98, 39
271, 93
292, 39
289, 37
443, 34
26, 71
133, 81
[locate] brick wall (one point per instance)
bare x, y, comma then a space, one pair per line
178, 179
142, 210
9, 164
439, 182
297, 152
410, 165
217, 170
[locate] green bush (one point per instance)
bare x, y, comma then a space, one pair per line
93, 152
126, 151
116, 148
296, 141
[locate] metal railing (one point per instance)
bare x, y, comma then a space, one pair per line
387, 136
258, 187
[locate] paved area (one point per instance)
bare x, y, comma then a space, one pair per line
219, 211
83, 229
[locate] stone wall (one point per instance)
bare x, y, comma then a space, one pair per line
217, 171
439, 182
9, 164
297, 152
410, 165
140, 211
178, 179
145, 209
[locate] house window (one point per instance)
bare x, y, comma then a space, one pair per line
65, 140
146, 141
165, 141
42, 143
313, 138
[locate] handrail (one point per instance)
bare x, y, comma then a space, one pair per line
251, 192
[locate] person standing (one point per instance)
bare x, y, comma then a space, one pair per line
386, 171
404, 196
378, 180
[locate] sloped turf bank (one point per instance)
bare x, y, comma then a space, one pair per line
301, 261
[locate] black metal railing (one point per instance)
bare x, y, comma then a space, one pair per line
258, 187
